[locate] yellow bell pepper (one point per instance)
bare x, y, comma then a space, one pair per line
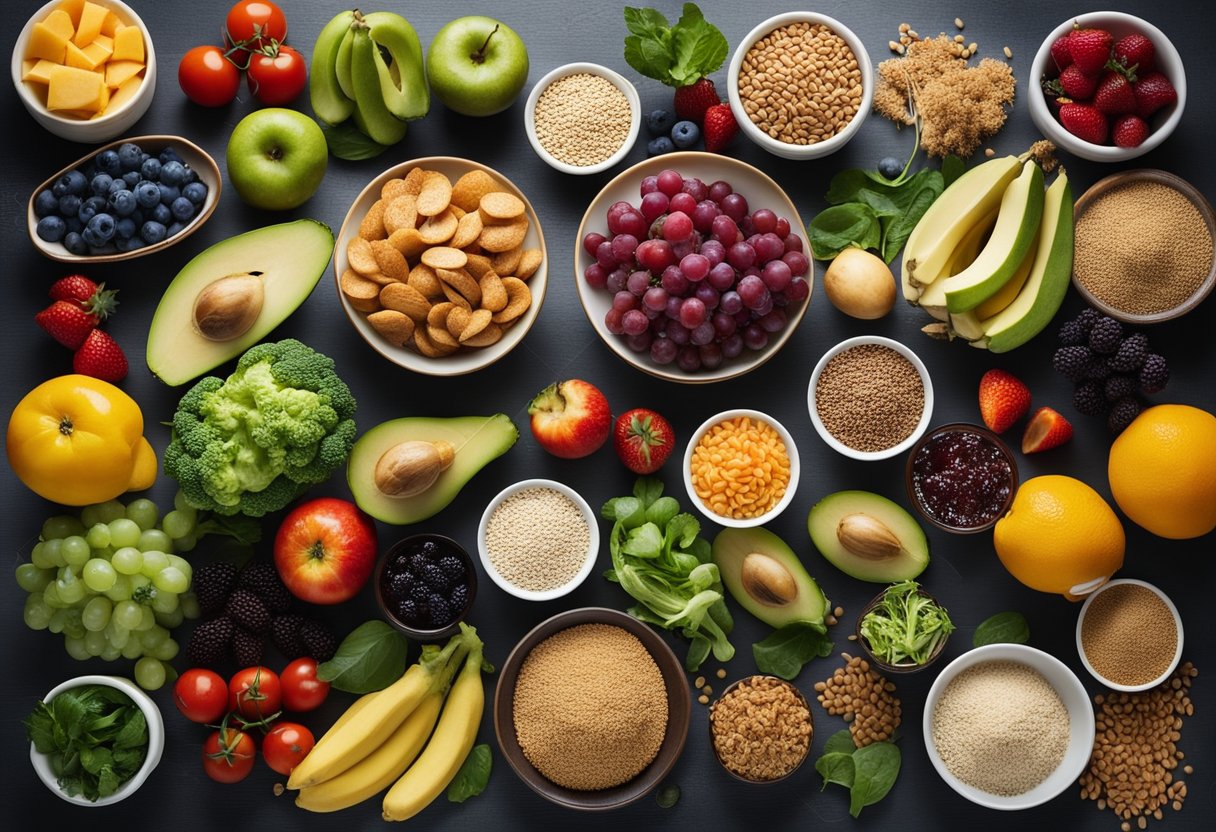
78, 440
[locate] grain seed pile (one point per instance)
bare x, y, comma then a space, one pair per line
582, 119
537, 539
590, 707
864, 698
761, 728
1000, 727
1129, 635
870, 397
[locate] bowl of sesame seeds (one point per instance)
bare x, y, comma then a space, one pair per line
582, 118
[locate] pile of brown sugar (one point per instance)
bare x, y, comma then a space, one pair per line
959, 106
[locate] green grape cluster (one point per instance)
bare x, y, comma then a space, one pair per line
109, 580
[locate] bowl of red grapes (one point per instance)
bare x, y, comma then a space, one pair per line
692, 267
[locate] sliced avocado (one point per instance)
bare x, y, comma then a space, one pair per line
230, 296
764, 575
868, 537
465, 445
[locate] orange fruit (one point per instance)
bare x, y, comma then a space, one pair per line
1059, 535
1162, 471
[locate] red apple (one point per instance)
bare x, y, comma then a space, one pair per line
325, 550
570, 419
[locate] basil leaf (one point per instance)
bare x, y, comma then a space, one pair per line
134, 733
852, 225
40, 728
875, 768
920, 192
952, 168
698, 47
883, 205
846, 185
841, 741
473, 776
370, 658
346, 142
836, 767
784, 652
1004, 627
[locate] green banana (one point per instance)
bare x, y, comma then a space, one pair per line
403, 86
378, 122
329, 102
342, 64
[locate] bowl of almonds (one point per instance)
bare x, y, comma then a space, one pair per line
441, 265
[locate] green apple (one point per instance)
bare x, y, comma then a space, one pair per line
477, 65
276, 158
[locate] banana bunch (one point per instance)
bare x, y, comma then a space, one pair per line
992, 257
382, 739
368, 68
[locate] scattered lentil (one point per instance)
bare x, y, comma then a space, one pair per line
838, 612
590, 707
1129, 635
870, 397
1148, 266
959, 39
864, 698
989, 152
721, 674
698, 682
582, 119
703, 699
740, 468
761, 728
800, 84
1008, 52
537, 539
1000, 727
707, 690
958, 23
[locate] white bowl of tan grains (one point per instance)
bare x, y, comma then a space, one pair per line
800, 85
582, 118
741, 468
1008, 726
538, 539
1129, 635
1156, 269
870, 398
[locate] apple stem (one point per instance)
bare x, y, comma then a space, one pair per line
480, 55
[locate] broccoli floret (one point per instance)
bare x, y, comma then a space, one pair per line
253, 443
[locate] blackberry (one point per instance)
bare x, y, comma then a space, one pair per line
419, 591
1088, 317
1118, 387
247, 647
247, 609
453, 568
401, 563
418, 562
262, 579
1071, 362
1106, 335
212, 583
1131, 353
1071, 334
318, 640
1088, 398
1097, 368
1154, 375
407, 611
399, 585
440, 610
433, 577
285, 633
430, 549
209, 643
459, 598
1122, 414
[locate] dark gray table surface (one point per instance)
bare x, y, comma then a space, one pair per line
965, 573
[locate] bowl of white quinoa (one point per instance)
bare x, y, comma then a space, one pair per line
538, 539
582, 118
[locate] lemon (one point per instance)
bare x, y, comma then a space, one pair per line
1059, 536
1162, 471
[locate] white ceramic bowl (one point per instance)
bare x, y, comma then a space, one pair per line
1177, 625
785, 149
761, 192
465, 360
1162, 123
834, 443
593, 546
1072, 694
104, 128
156, 740
621, 83
791, 451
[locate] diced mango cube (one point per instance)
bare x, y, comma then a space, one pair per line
119, 71
129, 45
104, 40
46, 43
77, 57
91, 18
111, 25
39, 71
71, 88
98, 52
124, 93
73, 9
60, 22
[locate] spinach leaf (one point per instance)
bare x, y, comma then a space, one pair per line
370, 658
347, 142
784, 652
875, 768
662, 510
134, 733
473, 776
846, 184
648, 489
952, 169
841, 741
851, 225
1004, 627
836, 767
915, 196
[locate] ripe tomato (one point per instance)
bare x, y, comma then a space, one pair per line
277, 79
201, 695
228, 755
255, 694
286, 745
255, 23
302, 690
207, 77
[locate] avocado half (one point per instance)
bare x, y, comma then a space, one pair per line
764, 575
868, 537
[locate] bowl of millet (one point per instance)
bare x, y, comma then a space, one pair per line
582, 118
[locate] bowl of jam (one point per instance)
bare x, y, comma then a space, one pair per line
961, 477
425, 585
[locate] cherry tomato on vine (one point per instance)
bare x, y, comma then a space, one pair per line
207, 77
277, 79
255, 23
228, 755
302, 690
201, 695
255, 693
285, 745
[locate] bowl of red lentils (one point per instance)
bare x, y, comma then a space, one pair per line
800, 85
582, 118
1129, 635
741, 468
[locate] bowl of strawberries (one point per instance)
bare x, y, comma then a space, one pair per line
1107, 86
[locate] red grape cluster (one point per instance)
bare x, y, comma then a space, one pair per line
695, 277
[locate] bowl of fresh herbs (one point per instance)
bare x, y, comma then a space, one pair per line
95, 739
903, 629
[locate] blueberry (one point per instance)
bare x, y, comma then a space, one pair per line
117, 185
69, 204
72, 182
100, 184
659, 122
90, 207
122, 203
183, 209
45, 203
130, 157
169, 155
150, 169
108, 161
659, 146
685, 134
132, 178
147, 194
137, 217
191, 176
101, 227
125, 229
196, 192
162, 214
152, 232
168, 193
73, 224
172, 173
75, 244
173, 229
128, 243
890, 167
51, 228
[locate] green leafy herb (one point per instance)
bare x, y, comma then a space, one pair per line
952, 168
784, 652
473, 776
851, 225
676, 55
660, 560
95, 737
667, 796
841, 741
347, 142
836, 767
868, 773
370, 658
1004, 627
906, 627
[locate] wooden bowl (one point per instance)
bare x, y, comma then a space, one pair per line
810, 716
679, 711
887, 667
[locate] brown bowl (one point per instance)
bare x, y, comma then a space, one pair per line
1201, 205
718, 757
886, 667
963, 427
679, 711
415, 633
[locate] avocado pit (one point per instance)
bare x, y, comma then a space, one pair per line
867, 537
411, 467
226, 308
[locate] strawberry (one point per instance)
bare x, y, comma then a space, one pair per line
694, 100
67, 323
1061, 54
73, 287
1047, 429
1153, 91
1129, 131
1090, 49
1135, 51
643, 440
720, 127
100, 357
1003, 400
1084, 122
1076, 84
1115, 95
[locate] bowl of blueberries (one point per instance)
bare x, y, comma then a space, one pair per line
425, 586
129, 198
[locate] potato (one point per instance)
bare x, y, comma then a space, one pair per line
860, 284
